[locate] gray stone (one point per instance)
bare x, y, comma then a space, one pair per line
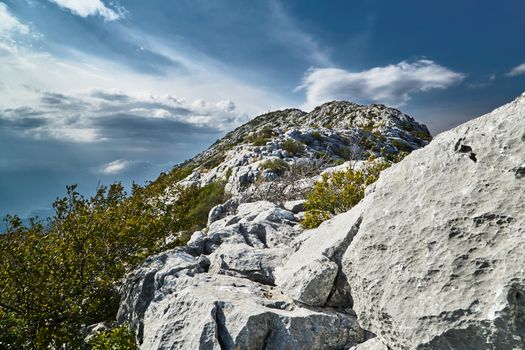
370, 344
312, 274
241, 260
294, 206
141, 285
438, 262
224, 312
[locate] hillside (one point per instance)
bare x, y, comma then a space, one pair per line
261, 185
330, 135
443, 225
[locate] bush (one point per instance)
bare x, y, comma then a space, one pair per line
314, 217
261, 137
293, 147
277, 166
63, 274
338, 192
118, 338
317, 135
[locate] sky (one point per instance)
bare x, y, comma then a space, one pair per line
97, 91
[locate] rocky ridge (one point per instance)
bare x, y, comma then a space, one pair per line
431, 258
331, 134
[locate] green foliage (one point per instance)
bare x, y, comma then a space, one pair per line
400, 145
422, 135
229, 173
190, 212
59, 276
314, 217
261, 137
118, 338
293, 146
277, 166
213, 161
338, 192
342, 151
178, 173
317, 135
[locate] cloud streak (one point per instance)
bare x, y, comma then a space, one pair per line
85, 8
392, 84
119, 166
100, 116
518, 70
10, 24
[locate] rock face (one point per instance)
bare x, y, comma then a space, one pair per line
438, 262
431, 258
219, 291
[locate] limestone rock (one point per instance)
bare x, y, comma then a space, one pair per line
224, 312
242, 260
139, 289
312, 274
295, 206
370, 344
438, 261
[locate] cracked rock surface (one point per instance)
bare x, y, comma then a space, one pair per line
220, 291
438, 262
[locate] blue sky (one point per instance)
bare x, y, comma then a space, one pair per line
95, 91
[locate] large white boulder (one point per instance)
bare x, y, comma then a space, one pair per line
438, 261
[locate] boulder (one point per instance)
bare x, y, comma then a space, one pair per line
140, 285
224, 312
438, 262
313, 274
295, 207
244, 261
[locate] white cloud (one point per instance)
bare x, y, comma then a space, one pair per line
84, 8
9, 24
392, 84
116, 167
102, 116
518, 70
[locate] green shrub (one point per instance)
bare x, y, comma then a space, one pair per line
314, 217
317, 135
338, 192
178, 173
342, 152
59, 276
293, 147
118, 338
190, 212
261, 137
422, 135
213, 161
400, 145
277, 166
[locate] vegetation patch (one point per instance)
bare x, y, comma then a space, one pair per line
277, 166
338, 192
293, 146
60, 275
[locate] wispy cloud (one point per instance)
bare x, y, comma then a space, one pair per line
102, 116
85, 8
518, 70
9, 24
118, 166
392, 84
284, 28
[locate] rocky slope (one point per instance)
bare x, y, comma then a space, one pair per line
331, 134
431, 258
